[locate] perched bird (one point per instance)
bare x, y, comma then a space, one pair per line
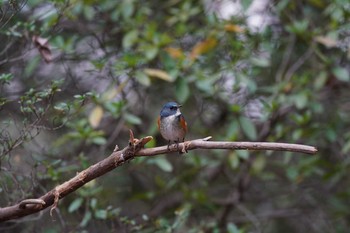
172, 124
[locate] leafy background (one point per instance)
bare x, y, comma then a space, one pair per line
75, 76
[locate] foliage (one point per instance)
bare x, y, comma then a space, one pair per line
76, 75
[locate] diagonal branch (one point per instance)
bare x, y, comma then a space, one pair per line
118, 158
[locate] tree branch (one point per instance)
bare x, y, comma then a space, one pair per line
205, 144
117, 158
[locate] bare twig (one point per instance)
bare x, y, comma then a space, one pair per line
286, 58
117, 158
283, 213
205, 144
298, 63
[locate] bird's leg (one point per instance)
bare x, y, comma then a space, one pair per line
184, 149
168, 144
177, 146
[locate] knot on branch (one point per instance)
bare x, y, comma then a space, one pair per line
138, 144
134, 145
56, 194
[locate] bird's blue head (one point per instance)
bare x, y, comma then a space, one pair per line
169, 109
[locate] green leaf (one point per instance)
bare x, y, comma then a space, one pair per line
292, 173
232, 130
182, 90
86, 219
93, 203
301, 100
130, 39
246, 4
31, 66
99, 140
233, 160
75, 204
260, 61
259, 164
164, 164
321, 80
182, 215
150, 51
127, 8
346, 147
132, 119
89, 12
248, 127
101, 214
142, 78
205, 85
298, 27
232, 228
341, 74
5, 78
145, 217
243, 154
281, 5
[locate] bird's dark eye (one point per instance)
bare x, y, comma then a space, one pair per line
173, 108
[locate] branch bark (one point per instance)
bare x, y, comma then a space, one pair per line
205, 144
118, 158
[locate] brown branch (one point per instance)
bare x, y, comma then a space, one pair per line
205, 144
117, 158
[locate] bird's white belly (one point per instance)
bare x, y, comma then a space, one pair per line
170, 129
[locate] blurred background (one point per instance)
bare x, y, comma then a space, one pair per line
75, 76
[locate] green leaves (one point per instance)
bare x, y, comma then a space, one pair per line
143, 78
5, 78
260, 61
127, 8
130, 39
82, 132
248, 127
75, 205
301, 100
342, 74
232, 228
132, 119
298, 27
182, 90
101, 214
162, 163
119, 61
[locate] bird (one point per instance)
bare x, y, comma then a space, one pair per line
172, 124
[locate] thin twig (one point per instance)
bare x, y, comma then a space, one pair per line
286, 58
298, 63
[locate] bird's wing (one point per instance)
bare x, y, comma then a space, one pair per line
183, 122
158, 121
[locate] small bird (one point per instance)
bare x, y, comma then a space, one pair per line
172, 124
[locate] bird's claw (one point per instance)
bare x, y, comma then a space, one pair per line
185, 146
168, 147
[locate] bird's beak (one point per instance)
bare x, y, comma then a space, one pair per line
179, 106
